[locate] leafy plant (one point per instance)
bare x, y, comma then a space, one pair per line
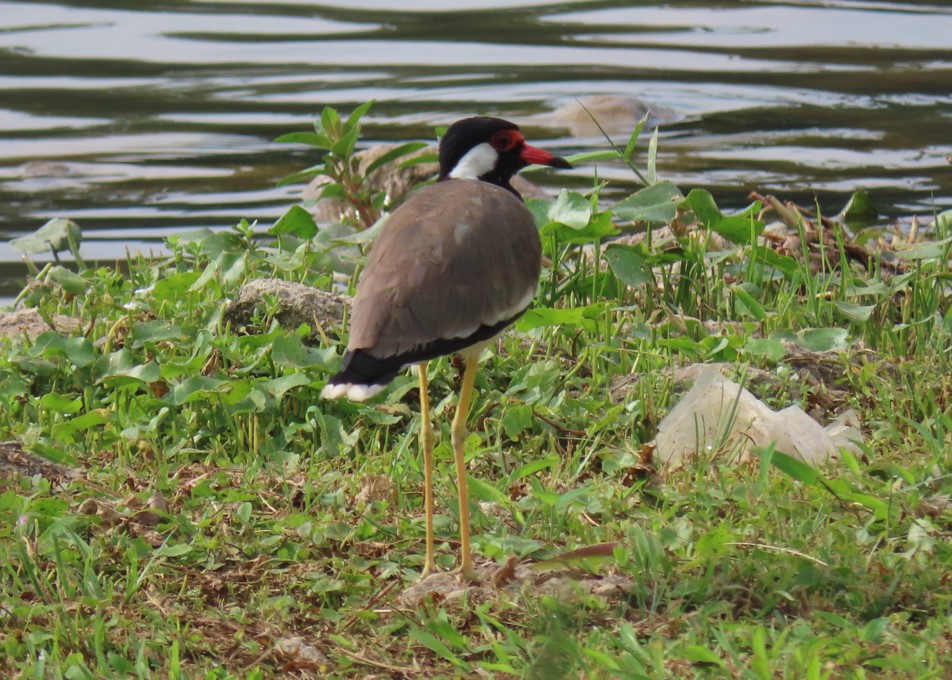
347, 177
202, 513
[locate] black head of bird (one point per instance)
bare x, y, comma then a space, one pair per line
491, 150
452, 267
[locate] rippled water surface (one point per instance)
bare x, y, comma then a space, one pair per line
139, 118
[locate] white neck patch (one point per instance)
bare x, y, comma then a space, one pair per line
477, 162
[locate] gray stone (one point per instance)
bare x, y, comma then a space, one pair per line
296, 304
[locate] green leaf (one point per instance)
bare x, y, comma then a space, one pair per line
601, 658
364, 235
823, 339
59, 403
598, 227
877, 505
583, 558
770, 349
541, 317
702, 655
296, 221
208, 274
571, 209
329, 122
68, 280
344, 147
858, 211
588, 156
288, 351
55, 235
196, 387
121, 364
484, 491
628, 264
517, 419
534, 467
244, 512
874, 630
175, 285
748, 303
942, 222
306, 174
435, 645
751, 211
738, 229
578, 495
244, 398
222, 242
702, 204
420, 160
655, 203
122, 666
233, 266
633, 140
87, 421
741, 228
760, 662
853, 311
542, 494
155, 331
652, 172
175, 550
358, 113
445, 630
12, 386
276, 387
331, 190
539, 207
794, 468
316, 139
334, 234
770, 257
927, 250
77, 350
392, 155
197, 235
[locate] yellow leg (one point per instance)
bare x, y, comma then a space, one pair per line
426, 443
459, 437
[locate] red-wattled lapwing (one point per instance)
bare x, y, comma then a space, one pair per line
453, 266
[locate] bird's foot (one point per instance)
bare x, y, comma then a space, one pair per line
466, 574
428, 569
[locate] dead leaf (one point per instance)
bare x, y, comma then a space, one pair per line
506, 573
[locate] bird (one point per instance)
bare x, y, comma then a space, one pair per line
451, 268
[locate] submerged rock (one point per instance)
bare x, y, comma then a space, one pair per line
615, 113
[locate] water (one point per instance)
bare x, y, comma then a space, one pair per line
140, 119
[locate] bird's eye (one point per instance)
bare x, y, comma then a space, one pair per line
503, 141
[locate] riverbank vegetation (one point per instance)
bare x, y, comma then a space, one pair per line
178, 502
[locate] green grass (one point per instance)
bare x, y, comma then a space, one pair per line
760, 570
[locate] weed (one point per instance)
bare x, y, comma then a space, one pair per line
268, 532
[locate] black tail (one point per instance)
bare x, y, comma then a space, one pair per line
360, 368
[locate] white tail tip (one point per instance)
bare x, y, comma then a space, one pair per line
350, 391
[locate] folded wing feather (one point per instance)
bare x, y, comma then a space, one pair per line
455, 257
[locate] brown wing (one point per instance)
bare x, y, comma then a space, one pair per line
456, 256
